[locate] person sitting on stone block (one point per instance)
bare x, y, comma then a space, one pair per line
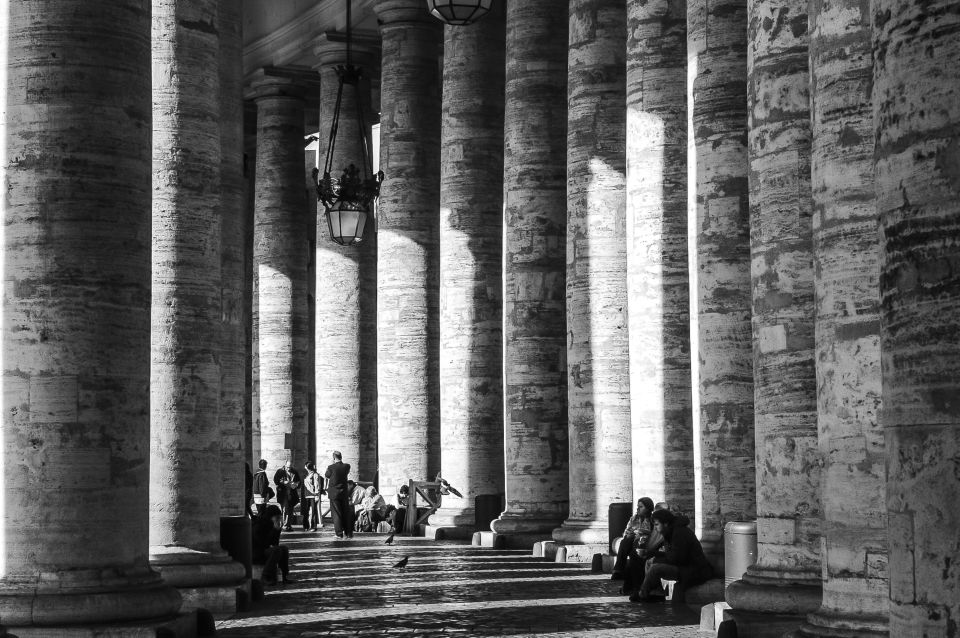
634, 537
267, 548
373, 509
682, 560
637, 563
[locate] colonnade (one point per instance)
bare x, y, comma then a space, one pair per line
533, 291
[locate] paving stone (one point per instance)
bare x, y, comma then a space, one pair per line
349, 588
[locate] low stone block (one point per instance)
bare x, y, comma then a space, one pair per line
576, 553
709, 592
491, 540
545, 549
607, 563
439, 533
181, 626
221, 601
711, 615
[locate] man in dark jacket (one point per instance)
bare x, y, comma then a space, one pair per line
262, 492
267, 548
288, 491
682, 561
340, 507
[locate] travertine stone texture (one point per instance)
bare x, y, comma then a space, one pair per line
916, 101
598, 378
280, 251
185, 309
787, 456
76, 318
534, 315
846, 263
234, 317
717, 81
345, 329
408, 396
657, 285
471, 270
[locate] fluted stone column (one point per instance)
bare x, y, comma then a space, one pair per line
76, 320
719, 197
916, 106
407, 253
280, 253
233, 252
185, 310
598, 381
785, 582
345, 328
659, 298
534, 315
846, 264
471, 270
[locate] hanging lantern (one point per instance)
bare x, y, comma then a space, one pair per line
349, 199
459, 13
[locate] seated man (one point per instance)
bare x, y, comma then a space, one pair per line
267, 548
683, 561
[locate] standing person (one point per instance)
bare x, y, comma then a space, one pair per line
635, 537
262, 492
340, 508
267, 548
288, 491
312, 489
247, 490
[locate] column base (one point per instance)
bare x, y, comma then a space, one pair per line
828, 624
206, 580
510, 523
583, 533
767, 604
181, 626
454, 518
82, 597
447, 532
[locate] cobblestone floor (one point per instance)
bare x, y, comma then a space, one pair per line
349, 588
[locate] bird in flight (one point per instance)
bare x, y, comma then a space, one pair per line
389, 540
402, 563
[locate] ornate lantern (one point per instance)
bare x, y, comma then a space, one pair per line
348, 200
459, 13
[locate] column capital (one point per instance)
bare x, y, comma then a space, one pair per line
330, 49
391, 12
287, 81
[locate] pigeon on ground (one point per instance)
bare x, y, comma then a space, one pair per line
402, 563
389, 540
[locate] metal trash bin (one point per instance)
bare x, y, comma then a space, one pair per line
617, 517
739, 549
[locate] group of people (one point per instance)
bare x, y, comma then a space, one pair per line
658, 545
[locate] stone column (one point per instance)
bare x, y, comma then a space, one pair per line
658, 286
280, 253
785, 582
233, 253
407, 253
185, 310
598, 390
720, 205
471, 269
534, 315
346, 315
846, 265
916, 107
76, 320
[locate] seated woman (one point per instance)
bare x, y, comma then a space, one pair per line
634, 537
373, 509
397, 513
682, 561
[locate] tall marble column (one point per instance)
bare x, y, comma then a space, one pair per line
720, 205
233, 252
598, 381
657, 284
534, 315
76, 320
408, 397
846, 265
345, 328
916, 106
785, 583
471, 270
280, 253
185, 310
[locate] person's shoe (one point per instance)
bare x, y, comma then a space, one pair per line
286, 580
624, 591
268, 581
339, 535
637, 597
616, 576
